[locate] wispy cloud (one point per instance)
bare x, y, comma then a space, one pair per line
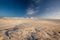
45, 10
30, 11
33, 7
36, 1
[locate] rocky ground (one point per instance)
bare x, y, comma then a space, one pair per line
29, 29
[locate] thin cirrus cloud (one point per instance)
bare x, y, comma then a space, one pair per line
33, 7
44, 8
30, 11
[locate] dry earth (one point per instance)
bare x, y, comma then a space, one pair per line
29, 29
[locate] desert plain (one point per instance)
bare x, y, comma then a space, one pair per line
29, 29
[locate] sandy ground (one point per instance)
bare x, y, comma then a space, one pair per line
43, 24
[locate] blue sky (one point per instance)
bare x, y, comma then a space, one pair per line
30, 8
12, 7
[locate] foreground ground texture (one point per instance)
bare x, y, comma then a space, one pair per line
29, 29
